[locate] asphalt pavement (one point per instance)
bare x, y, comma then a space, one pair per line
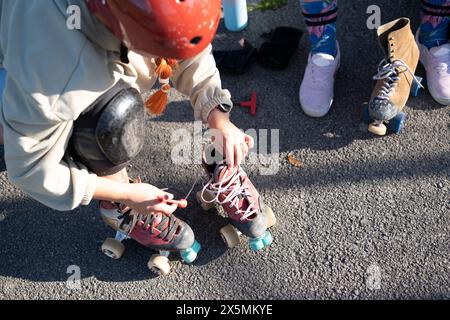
363, 217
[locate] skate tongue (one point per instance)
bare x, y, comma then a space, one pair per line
441, 50
222, 174
322, 59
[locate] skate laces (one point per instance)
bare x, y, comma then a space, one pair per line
166, 234
440, 64
233, 190
390, 72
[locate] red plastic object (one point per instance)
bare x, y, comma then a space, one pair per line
251, 104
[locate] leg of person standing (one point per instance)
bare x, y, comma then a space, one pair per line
317, 88
433, 40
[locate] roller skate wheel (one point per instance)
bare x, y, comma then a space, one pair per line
159, 265
396, 125
271, 219
261, 242
267, 239
113, 248
230, 236
378, 129
205, 206
190, 255
415, 87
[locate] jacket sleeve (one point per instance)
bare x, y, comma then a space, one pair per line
36, 159
199, 79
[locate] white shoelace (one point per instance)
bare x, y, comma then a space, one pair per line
234, 189
439, 65
388, 72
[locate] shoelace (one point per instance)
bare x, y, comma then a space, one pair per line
233, 189
390, 73
440, 64
147, 220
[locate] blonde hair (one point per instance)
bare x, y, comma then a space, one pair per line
157, 103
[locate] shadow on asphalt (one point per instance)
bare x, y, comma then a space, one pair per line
363, 172
39, 244
2, 159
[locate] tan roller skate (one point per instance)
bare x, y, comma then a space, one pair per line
395, 78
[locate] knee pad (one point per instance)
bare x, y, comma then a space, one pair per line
111, 132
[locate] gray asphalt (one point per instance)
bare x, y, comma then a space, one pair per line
358, 206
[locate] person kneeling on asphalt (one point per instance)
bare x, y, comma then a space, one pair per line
72, 112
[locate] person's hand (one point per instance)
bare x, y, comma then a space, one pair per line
232, 142
146, 199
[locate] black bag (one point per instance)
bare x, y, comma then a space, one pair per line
276, 53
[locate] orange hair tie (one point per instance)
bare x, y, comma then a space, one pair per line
157, 103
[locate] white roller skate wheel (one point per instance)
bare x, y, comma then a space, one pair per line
230, 236
159, 265
271, 219
205, 206
113, 248
378, 129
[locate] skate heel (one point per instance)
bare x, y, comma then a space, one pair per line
416, 86
205, 200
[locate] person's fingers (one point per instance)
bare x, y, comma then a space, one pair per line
164, 208
249, 141
245, 150
238, 155
168, 196
229, 154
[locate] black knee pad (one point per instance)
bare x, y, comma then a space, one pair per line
111, 132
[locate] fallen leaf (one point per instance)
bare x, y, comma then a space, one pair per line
294, 161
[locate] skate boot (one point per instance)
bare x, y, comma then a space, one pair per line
395, 78
157, 232
232, 189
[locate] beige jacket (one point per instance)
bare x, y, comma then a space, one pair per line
55, 73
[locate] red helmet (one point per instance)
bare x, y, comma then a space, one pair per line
177, 29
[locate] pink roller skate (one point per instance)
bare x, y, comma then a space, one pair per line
157, 232
232, 189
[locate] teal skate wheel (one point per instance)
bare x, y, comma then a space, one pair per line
267, 239
261, 242
256, 244
415, 88
196, 246
190, 255
397, 123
